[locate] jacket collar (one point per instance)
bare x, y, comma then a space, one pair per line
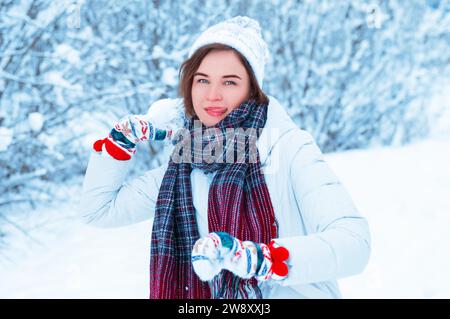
278, 123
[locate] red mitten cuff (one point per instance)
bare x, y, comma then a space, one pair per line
279, 257
114, 149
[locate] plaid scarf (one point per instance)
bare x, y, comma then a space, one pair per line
238, 203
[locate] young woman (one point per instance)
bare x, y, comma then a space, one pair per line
275, 223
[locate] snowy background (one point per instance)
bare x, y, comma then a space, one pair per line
369, 79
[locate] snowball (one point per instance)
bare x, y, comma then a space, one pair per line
167, 114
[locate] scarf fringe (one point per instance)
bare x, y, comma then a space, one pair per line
240, 288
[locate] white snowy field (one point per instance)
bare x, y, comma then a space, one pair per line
403, 191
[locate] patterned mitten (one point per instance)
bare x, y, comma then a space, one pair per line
246, 259
127, 132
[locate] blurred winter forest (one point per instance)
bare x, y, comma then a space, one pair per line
355, 74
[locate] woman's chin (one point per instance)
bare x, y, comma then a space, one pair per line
210, 124
211, 120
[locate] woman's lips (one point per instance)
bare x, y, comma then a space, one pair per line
216, 111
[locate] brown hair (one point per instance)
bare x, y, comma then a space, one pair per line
191, 65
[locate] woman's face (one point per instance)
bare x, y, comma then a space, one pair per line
220, 84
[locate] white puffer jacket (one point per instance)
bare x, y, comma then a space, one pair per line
318, 222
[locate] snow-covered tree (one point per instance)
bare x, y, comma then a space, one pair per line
353, 73
356, 73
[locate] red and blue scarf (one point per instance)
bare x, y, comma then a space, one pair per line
238, 203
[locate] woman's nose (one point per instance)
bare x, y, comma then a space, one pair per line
214, 93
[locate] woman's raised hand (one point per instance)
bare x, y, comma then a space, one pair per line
127, 132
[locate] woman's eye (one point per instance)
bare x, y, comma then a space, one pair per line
226, 82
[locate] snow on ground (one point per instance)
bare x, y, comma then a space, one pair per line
403, 191
68, 259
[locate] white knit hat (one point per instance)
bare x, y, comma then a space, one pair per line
242, 34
